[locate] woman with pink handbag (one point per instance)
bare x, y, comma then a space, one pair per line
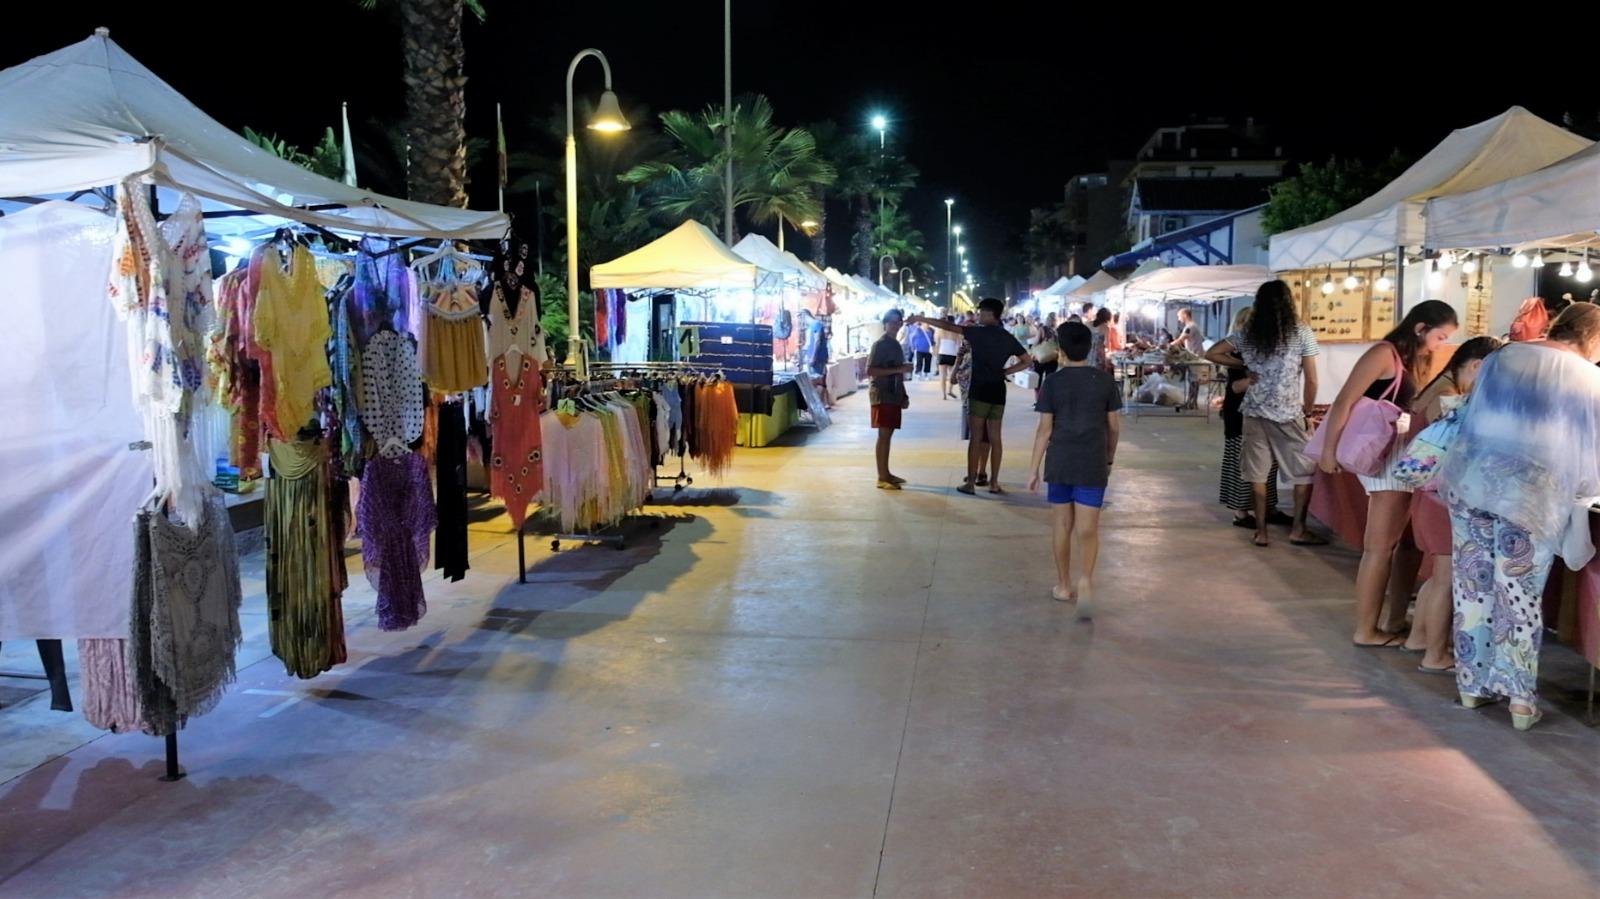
1365, 428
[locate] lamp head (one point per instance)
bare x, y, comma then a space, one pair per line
879, 122
608, 115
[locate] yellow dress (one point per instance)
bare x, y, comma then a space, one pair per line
291, 323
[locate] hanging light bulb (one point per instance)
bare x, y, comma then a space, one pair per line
1538, 259
1351, 282
1566, 269
1435, 277
1383, 283
1447, 258
1468, 266
1584, 273
1327, 287
1520, 260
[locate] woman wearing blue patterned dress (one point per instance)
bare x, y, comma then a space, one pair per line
1525, 461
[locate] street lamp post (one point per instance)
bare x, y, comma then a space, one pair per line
880, 267
882, 124
905, 274
608, 118
949, 242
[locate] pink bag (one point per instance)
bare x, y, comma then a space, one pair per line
1369, 433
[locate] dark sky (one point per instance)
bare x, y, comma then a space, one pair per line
997, 104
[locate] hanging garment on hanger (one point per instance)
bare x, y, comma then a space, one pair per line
185, 614
453, 351
304, 618
510, 305
237, 373
345, 361
160, 285
382, 294
450, 474
110, 698
718, 425
291, 323
397, 518
516, 465
392, 396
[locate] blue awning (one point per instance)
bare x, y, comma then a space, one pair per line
1203, 253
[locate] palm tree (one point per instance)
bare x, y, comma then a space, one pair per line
879, 179
436, 103
843, 152
777, 171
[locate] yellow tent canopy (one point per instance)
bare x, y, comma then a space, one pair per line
960, 302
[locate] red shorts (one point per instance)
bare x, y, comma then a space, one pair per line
886, 416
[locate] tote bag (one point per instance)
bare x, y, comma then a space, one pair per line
1419, 464
1369, 433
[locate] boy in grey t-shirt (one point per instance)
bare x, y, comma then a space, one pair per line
887, 368
1079, 424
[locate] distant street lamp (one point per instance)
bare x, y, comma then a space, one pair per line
880, 266
949, 243
905, 275
608, 119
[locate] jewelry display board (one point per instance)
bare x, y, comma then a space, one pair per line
1347, 315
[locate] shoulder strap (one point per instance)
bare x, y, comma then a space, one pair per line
1393, 393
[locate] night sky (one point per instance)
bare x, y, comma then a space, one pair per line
998, 106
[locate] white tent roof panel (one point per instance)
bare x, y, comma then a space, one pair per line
1506, 146
1558, 205
90, 115
688, 257
1192, 283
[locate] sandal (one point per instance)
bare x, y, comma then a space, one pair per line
997, 490
1308, 539
1248, 522
1386, 644
967, 489
1442, 672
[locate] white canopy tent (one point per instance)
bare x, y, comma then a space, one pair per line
1558, 205
1511, 144
1098, 283
1061, 288
689, 257
795, 273
90, 115
1191, 284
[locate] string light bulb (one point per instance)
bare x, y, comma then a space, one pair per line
1566, 269
1383, 283
1435, 277
1351, 282
1327, 287
1538, 259
1468, 266
1520, 260
1584, 273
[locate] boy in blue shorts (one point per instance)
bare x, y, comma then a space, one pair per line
1079, 422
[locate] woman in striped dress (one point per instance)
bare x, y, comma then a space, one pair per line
1234, 492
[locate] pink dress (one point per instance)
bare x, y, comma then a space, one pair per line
516, 471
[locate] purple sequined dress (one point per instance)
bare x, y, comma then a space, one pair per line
382, 293
397, 518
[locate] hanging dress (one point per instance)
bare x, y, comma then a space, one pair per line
450, 476
186, 599
382, 294
392, 397
291, 323
397, 519
516, 350
304, 618
453, 341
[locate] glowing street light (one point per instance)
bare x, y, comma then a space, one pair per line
608, 119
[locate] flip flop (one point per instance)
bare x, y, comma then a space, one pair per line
1387, 644
1441, 672
1058, 596
888, 485
967, 489
997, 490
896, 478
1308, 540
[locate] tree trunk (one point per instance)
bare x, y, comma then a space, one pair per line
819, 240
863, 238
436, 104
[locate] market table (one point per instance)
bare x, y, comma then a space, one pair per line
1133, 373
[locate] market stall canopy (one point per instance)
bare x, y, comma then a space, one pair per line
1556, 206
1192, 283
1099, 283
90, 115
1062, 287
1509, 145
761, 251
688, 257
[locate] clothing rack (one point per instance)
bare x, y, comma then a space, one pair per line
682, 479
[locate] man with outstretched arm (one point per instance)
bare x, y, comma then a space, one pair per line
992, 349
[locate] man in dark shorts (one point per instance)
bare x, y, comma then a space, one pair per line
1079, 424
992, 348
888, 369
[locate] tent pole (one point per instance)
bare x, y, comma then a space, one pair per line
1399, 283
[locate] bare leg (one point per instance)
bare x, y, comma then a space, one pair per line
885, 435
995, 449
1302, 504
976, 449
1062, 541
1434, 612
1087, 531
944, 381
1258, 492
1387, 513
1402, 584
